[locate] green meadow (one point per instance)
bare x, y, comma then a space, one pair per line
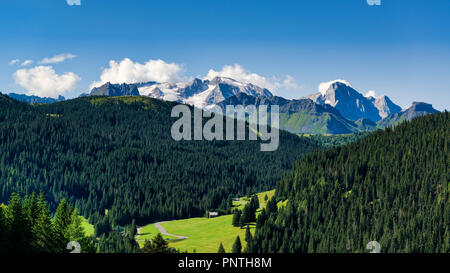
205, 234
148, 232
261, 196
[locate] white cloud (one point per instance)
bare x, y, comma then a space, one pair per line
290, 82
374, 2
323, 87
73, 2
14, 61
371, 93
43, 81
58, 58
238, 73
128, 71
26, 62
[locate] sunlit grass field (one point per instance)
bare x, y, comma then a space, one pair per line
205, 234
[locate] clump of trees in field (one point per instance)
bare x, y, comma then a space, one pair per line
248, 213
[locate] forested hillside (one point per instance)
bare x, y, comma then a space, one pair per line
391, 187
26, 226
116, 153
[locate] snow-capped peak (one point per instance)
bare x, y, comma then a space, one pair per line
324, 86
201, 93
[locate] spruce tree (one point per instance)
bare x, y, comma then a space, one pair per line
20, 235
221, 249
237, 246
249, 240
236, 218
133, 229
61, 223
75, 231
43, 229
4, 230
157, 245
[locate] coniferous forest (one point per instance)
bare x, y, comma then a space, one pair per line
95, 154
391, 187
116, 154
27, 226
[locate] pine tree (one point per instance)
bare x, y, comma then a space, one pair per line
75, 231
61, 222
43, 228
133, 229
31, 208
248, 234
272, 206
221, 249
248, 214
237, 218
4, 231
157, 245
19, 226
237, 246
249, 240
254, 203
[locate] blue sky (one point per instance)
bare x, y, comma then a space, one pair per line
400, 48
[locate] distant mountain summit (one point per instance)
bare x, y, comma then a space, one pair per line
385, 106
352, 104
109, 89
416, 110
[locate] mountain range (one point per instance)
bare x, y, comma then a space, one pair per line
201, 93
336, 109
34, 99
300, 116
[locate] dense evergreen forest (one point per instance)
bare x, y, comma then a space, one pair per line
391, 187
26, 226
116, 153
328, 141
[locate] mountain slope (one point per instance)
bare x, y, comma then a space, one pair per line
385, 106
34, 99
117, 153
300, 116
417, 109
388, 187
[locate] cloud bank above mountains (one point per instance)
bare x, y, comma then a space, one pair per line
238, 73
128, 71
43, 81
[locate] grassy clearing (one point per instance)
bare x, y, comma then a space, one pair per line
205, 235
261, 196
88, 228
148, 232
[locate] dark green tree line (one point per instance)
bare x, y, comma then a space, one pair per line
391, 187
